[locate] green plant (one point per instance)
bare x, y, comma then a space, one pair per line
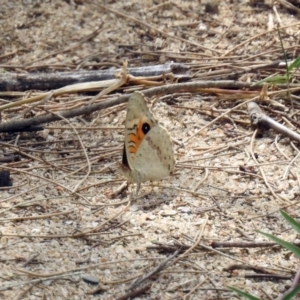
286, 78
282, 79
294, 249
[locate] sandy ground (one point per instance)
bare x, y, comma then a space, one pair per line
209, 199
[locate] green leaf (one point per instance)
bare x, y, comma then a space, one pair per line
278, 79
287, 245
292, 293
291, 221
244, 294
294, 65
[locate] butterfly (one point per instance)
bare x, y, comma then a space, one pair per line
148, 150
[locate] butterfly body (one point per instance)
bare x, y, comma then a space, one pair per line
148, 150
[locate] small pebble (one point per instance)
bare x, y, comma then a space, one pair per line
168, 213
90, 279
184, 209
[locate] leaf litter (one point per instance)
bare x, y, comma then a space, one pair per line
67, 218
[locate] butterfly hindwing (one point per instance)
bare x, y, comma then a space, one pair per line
157, 151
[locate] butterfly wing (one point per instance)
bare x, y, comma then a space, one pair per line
137, 116
148, 151
154, 159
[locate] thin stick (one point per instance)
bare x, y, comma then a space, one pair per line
103, 223
199, 237
197, 86
23, 292
75, 271
217, 118
163, 265
281, 198
256, 36
172, 37
135, 293
187, 296
45, 216
258, 117
84, 152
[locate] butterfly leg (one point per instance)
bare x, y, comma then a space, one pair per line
137, 189
131, 195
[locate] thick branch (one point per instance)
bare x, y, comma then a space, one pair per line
260, 119
199, 86
55, 80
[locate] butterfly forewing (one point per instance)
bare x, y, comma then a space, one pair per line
137, 115
148, 151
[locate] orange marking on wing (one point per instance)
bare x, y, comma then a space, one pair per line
136, 138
